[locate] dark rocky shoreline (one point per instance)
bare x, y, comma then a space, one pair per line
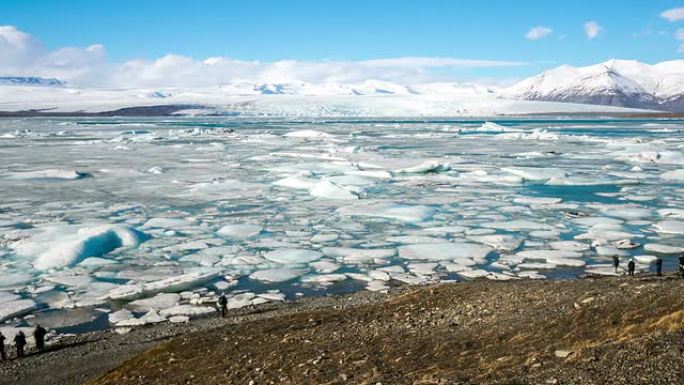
585, 331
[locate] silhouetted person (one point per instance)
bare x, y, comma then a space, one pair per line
223, 302
681, 265
616, 264
659, 266
3, 356
630, 267
39, 335
19, 343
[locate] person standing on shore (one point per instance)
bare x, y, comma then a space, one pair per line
19, 343
616, 263
630, 267
659, 266
223, 302
39, 335
3, 356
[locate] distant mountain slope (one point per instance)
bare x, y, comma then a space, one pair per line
29, 81
623, 83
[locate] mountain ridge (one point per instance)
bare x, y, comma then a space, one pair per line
623, 83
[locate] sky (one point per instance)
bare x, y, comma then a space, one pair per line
155, 43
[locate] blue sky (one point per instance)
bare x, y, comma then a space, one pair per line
353, 30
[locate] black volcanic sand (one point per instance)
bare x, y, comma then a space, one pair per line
585, 331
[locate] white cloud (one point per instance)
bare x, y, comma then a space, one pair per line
679, 34
674, 14
592, 29
22, 55
538, 32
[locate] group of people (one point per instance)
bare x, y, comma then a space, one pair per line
20, 342
631, 266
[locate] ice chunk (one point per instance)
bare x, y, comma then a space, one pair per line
330, 190
645, 259
49, 174
278, 275
445, 251
356, 255
187, 310
171, 284
158, 302
290, 256
518, 225
536, 174
498, 241
663, 249
325, 267
296, 183
151, 317
570, 246
425, 167
309, 134
240, 231
677, 175
167, 223
324, 278
120, 315
16, 308
536, 200
400, 212
670, 227
547, 254
62, 246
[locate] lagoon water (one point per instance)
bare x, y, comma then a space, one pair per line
123, 222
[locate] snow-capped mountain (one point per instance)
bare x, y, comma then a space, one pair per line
30, 81
624, 83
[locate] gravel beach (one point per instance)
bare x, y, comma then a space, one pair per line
585, 331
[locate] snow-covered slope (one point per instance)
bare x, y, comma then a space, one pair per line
623, 83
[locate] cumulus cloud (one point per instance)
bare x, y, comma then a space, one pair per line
22, 55
674, 14
538, 32
592, 29
679, 35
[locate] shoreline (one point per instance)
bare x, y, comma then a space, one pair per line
87, 357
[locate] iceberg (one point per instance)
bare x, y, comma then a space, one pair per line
65, 246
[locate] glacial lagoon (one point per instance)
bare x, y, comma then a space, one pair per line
119, 222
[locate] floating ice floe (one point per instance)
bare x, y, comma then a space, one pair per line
62, 246
670, 227
498, 241
158, 302
187, 310
330, 190
16, 308
676, 175
518, 225
396, 211
151, 317
240, 231
492, 127
663, 249
171, 284
56, 174
357, 255
446, 251
120, 315
278, 275
536, 174
309, 134
289, 256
